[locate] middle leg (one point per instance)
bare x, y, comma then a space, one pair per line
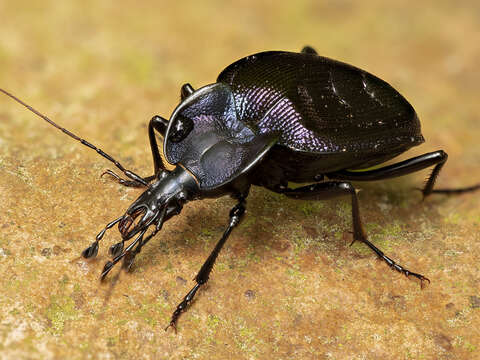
236, 215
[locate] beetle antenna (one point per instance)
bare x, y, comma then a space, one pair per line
127, 173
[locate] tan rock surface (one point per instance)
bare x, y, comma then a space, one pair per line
286, 286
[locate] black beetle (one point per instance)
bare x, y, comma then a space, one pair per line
271, 118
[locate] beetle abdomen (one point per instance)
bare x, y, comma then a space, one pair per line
321, 105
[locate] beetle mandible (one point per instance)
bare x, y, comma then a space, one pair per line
271, 118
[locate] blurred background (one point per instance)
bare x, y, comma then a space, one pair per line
287, 285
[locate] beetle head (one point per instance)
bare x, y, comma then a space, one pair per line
163, 199
212, 150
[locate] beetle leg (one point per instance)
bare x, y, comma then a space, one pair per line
159, 124
128, 183
330, 189
186, 91
236, 215
437, 158
309, 50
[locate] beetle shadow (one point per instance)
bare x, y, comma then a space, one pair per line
275, 221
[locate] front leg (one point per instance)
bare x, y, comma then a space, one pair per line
128, 183
159, 124
236, 215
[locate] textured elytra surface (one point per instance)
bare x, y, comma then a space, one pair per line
286, 285
318, 103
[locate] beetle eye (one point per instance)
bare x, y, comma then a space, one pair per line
181, 128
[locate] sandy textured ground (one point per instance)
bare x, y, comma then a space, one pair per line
287, 286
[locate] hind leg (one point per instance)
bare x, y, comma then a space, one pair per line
331, 189
436, 159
